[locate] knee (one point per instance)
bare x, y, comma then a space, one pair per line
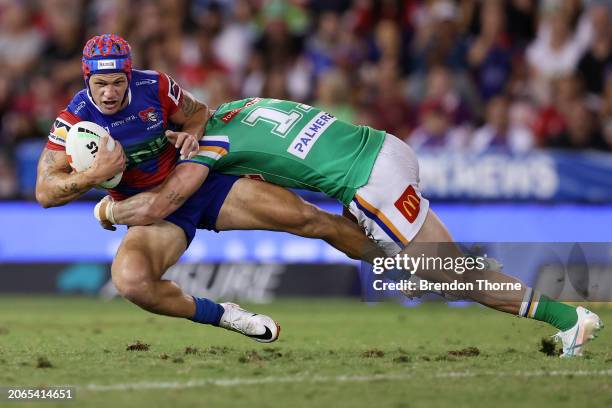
133, 282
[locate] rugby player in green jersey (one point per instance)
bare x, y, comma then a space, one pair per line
374, 175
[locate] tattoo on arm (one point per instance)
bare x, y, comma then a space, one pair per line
189, 105
175, 198
55, 180
49, 158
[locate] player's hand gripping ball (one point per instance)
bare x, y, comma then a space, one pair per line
82, 145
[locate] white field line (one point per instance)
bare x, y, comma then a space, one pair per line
229, 382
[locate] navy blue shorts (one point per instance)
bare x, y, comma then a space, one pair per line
202, 208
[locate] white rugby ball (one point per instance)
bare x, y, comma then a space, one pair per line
82, 145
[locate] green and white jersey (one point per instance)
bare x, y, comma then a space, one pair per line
291, 145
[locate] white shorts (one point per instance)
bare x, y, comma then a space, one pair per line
390, 207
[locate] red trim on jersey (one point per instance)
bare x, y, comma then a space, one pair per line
169, 106
54, 146
69, 117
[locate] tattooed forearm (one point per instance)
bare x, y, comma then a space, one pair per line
175, 198
56, 184
72, 188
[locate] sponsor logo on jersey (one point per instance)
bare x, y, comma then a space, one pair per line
146, 82
145, 151
107, 64
232, 114
59, 131
409, 204
148, 115
78, 108
309, 134
123, 121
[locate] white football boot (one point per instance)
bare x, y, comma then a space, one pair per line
585, 329
258, 327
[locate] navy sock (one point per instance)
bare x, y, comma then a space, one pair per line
207, 311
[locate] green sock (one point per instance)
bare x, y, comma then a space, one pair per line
547, 310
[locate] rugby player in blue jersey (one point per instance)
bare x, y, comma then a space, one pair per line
140, 109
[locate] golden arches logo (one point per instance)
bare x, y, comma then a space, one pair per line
409, 204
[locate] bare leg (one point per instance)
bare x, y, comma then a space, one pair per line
433, 239
143, 257
257, 205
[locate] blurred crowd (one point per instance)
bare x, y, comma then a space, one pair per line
464, 75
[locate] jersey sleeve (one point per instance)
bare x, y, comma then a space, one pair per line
170, 95
212, 149
60, 128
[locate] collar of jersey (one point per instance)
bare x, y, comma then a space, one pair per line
98, 108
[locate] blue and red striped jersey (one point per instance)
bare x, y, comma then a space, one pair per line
152, 98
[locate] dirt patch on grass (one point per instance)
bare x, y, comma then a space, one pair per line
138, 346
373, 353
251, 357
191, 350
3, 330
43, 362
465, 352
549, 347
402, 359
218, 350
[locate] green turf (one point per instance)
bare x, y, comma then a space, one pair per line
331, 353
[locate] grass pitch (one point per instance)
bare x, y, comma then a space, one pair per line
331, 353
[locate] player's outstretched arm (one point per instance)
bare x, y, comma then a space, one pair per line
57, 184
151, 206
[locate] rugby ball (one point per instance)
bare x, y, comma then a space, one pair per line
82, 145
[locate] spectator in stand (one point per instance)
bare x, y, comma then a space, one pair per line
62, 50
554, 53
389, 108
521, 22
441, 88
582, 131
8, 178
438, 39
605, 112
551, 118
334, 95
20, 40
436, 129
607, 133
489, 54
594, 63
235, 41
278, 46
499, 132
324, 44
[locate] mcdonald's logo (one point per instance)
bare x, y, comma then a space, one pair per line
409, 204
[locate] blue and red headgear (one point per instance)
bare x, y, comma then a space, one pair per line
106, 54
